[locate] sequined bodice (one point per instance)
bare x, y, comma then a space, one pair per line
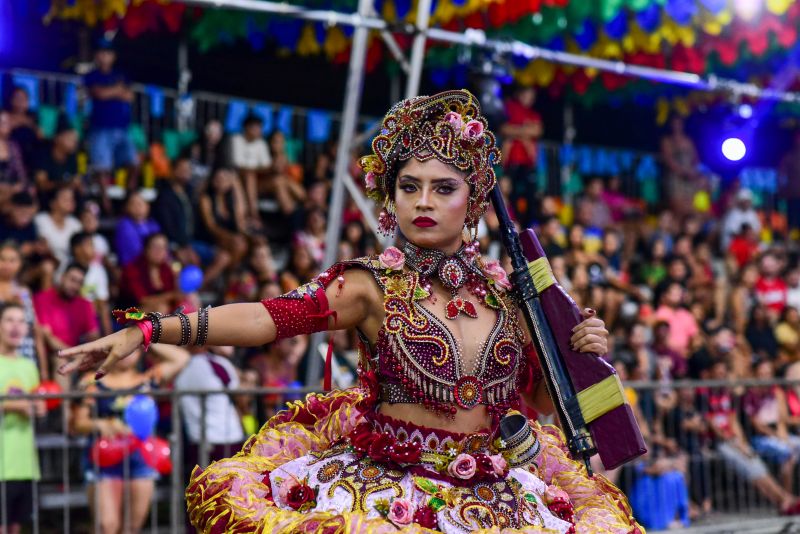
418, 359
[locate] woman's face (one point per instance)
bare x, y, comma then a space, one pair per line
64, 201
764, 370
659, 249
316, 222
89, 221
157, 250
431, 199
302, 260
750, 276
277, 143
792, 316
223, 180
138, 208
213, 132
576, 236
20, 102
354, 232
10, 263
261, 257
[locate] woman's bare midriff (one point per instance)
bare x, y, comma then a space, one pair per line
464, 422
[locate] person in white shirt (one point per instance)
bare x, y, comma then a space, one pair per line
793, 288
250, 155
95, 282
740, 214
58, 225
210, 369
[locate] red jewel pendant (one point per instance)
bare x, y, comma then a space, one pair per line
458, 305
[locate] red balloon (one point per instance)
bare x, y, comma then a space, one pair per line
156, 454
110, 452
51, 387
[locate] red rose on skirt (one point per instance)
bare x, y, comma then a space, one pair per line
362, 436
379, 450
406, 453
484, 468
426, 517
295, 493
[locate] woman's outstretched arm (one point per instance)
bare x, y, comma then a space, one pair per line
240, 325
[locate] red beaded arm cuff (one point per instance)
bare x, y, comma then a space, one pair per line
303, 311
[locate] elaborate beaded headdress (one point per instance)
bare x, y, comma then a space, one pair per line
447, 126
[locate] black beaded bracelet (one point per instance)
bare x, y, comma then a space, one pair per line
186, 328
202, 326
155, 318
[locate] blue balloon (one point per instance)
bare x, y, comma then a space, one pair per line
190, 279
141, 416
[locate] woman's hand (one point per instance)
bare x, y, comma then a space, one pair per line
102, 353
591, 335
111, 428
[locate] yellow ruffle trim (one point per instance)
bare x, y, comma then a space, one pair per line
233, 495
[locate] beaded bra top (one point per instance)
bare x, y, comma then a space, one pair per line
417, 359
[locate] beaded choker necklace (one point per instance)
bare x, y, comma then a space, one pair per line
454, 272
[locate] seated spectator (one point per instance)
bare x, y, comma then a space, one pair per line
110, 146
59, 224
12, 291
278, 367
744, 247
95, 283
760, 333
18, 456
683, 328
770, 289
174, 212
740, 214
787, 334
18, 225
551, 235
248, 283
222, 214
148, 282
742, 298
591, 210
251, 158
654, 269
207, 153
133, 228
732, 444
90, 219
210, 369
312, 236
793, 287
66, 318
13, 174
301, 269
24, 128
57, 163
122, 494
281, 162
669, 362
766, 417
356, 236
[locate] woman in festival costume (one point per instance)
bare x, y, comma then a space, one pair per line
443, 359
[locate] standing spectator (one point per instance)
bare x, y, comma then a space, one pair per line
133, 228
680, 158
683, 328
24, 130
122, 494
210, 369
770, 289
149, 281
741, 213
174, 212
521, 133
12, 292
95, 283
59, 224
250, 155
57, 163
223, 209
789, 185
66, 318
13, 174
19, 465
110, 146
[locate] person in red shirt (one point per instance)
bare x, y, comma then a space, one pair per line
744, 246
771, 290
148, 281
521, 133
66, 318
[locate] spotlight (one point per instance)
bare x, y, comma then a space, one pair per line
745, 111
733, 148
747, 9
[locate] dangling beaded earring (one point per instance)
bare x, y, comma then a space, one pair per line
387, 221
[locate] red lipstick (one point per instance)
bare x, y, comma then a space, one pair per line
424, 222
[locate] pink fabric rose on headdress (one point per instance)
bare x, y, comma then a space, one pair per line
473, 130
369, 180
392, 258
455, 120
495, 272
500, 465
463, 466
401, 511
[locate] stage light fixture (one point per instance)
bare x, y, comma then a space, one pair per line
745, 111
733, 148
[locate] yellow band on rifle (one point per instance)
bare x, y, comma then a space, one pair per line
599, 399
541, 273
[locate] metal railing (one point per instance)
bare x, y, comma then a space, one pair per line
60, 503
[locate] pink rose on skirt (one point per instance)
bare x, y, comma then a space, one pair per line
401, 511
455, 121
494, 271
369, 180
463, 466
392, 258
473, 130
500, 465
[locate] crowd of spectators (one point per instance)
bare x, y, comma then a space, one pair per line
686, 294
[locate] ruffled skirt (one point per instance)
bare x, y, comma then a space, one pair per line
299, 474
